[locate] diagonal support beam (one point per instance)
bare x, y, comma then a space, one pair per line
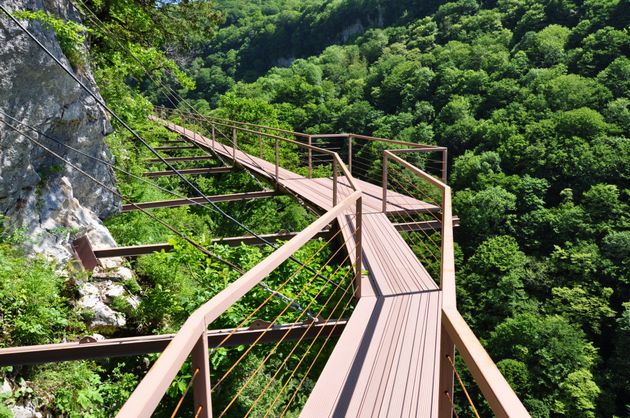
138, 250
132, 346
422, 225
189, 171
199, 200
166, 149
181, 159
172, 141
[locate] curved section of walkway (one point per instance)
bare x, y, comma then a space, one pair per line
386, 362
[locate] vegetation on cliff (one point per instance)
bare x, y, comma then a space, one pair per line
531, 97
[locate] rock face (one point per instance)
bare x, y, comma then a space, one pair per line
38, 191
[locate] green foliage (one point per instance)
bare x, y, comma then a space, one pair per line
71, 35
484, 213
73, 388
558, 359
491, 287
582, 307
34, 309
531, 99
546, 47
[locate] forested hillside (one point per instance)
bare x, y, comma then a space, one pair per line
531, 97
533, 100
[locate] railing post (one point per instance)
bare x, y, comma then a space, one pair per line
350, 153
200, 360
234, 146
334, 181
447, 262
277, 161
310, 157
447, 285
358, 249
444, 165
260, 145
447, 378
213, 136
384, 181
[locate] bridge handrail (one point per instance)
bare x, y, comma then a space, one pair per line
305, 135
495, 389
337, 161
411, 146
191, 339
456, 332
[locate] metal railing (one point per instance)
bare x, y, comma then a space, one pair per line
456, 334
191, 340
345, 143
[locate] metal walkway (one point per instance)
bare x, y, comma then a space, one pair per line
386, 362
395, 356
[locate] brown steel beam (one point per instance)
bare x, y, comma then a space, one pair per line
131, 346
132, 251
170, 141
137, 250
201, 170
83, 249
202, 200
181, 159
422, 225
175, 148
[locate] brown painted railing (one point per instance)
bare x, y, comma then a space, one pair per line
456, 334
350, 138
337, 164
191, 340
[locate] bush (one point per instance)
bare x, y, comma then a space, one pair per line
33, 308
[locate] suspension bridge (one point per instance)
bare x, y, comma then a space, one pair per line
380, 324
397, 334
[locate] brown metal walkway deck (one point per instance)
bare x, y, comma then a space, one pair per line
386, 362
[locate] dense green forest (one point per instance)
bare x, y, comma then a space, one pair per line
531, 97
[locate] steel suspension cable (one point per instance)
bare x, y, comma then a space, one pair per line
138, 137
122, 197
327, 338
105, 162
304, 288
461, 382
287, 357
181, 399
163, 223
247, 155
268, 356
165, 89
281, 286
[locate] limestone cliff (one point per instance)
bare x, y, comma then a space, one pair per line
39, 192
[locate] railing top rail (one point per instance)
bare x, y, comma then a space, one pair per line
496, 390
447, 261
333, 154
152, 387
396, 142
427, 147
286, 131
429, 178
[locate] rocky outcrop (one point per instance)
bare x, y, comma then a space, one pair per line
38, 191
97, 295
